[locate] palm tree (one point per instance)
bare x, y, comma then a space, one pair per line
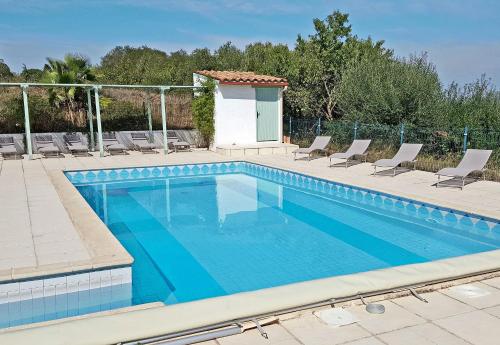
73, 69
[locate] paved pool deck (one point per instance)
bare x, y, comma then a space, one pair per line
38, 236
452, 316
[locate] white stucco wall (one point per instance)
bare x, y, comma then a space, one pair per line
235, 115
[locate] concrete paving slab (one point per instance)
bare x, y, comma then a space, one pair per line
311, 331
495, 311
478, 327
494, 282
395, 317
439, 306
277, 336
366, 341
487, 296
425, 334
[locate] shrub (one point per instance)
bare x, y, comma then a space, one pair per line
122, 116
203, 112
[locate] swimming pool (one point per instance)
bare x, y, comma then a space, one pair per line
206, 230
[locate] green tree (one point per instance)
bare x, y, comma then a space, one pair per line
73, 69
381, 89
129, 65
229, 57
32, 75
320, 62
202, 59
5, 72
266, 58
476, 105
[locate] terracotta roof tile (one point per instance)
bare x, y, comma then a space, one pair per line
243, 78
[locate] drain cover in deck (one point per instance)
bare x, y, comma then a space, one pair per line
336, 317
469, 291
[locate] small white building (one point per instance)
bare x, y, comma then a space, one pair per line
248, 114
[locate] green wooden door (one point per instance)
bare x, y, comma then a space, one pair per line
267, 113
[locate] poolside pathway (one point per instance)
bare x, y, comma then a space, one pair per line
453, 316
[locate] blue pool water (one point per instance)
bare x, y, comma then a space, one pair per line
209, 230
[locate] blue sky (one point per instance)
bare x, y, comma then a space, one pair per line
461, 37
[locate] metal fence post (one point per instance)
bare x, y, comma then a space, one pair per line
401, 134
290, 129
150, 119
27, 127
164, 119
466, 134
318, 130
98, 118
355, 129
91, 119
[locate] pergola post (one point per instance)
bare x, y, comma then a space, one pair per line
91, 119
98, 118
27, 127
164, 119
150, 119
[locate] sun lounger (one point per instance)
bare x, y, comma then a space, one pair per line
319, 145
75, 144
406, 154
46, 147
142, 144
112, 145
473, 161
8, 147
357, 149
174, 143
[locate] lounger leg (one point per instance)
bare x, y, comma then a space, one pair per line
346, 163
463, 183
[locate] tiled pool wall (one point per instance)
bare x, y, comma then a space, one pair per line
346, 193
64, 295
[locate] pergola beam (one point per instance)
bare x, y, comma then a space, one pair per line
165, 87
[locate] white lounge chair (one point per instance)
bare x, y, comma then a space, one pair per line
473, 161
142, 144
319, 145
406, 154
8, 147
46, 146
75, 145
112, 145
357, 149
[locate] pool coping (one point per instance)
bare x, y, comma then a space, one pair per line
170, 319
106, 252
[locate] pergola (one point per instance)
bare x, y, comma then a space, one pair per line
96, 87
